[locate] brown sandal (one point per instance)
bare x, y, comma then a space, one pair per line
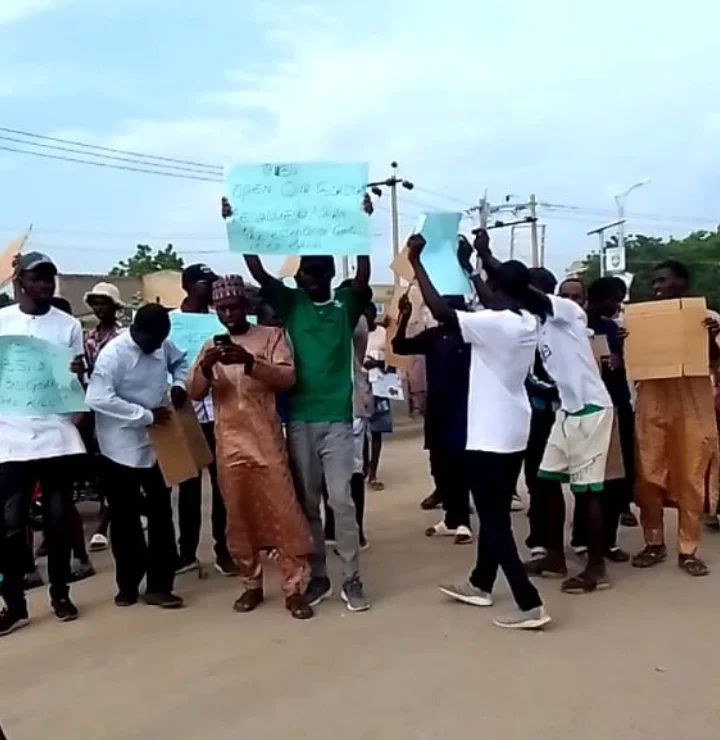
650, 556
298, 607
249, 601
693, 566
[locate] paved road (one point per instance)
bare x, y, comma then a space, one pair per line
639, 661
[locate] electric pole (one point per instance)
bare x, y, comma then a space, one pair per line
392, 183
532, 205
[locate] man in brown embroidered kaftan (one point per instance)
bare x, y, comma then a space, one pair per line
244, 370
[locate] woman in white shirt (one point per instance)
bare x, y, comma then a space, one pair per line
503, 340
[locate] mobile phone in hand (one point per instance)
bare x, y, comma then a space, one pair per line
221, 340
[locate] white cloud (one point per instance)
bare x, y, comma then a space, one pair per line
12, 11
552, 97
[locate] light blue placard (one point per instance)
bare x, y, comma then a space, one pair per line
439, 257
298, 209
35, 378
189, 331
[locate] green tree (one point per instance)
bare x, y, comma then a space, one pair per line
699, 251
145, 261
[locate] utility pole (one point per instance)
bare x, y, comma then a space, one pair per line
600, 231
392, 183
620, 200
532, 205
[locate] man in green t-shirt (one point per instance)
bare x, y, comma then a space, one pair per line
320, 431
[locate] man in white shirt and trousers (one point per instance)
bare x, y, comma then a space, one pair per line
38, 449
128, 391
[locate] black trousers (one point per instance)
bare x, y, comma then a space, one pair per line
17, 483
134, 557
448, 470
493, 479
541, 423
190, 510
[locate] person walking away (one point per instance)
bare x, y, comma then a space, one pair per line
197, 282
381, 418
320, 434
244, 372
36, 450
447, 362
577, 449
503, 339
128, 392
105, 302
677, 445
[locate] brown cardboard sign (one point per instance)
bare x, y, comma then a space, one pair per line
667, 339
401, 266
180, 446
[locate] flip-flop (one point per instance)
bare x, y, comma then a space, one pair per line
376, 485
650, 556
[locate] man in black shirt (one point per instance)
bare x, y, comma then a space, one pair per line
447, 368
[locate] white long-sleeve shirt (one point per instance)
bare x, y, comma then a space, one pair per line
125, 386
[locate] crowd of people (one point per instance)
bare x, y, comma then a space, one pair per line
286, 406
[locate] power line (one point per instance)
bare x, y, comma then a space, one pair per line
28, 134
100, 156
108, 165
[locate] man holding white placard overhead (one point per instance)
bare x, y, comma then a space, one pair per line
320, 431
38, 449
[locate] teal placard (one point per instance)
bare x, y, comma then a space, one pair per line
439, 257
35, 378
298, 209
189, 331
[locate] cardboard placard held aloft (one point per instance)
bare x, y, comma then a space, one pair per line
667, 339
180, 446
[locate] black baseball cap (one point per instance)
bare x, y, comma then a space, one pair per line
33, 260
195, 273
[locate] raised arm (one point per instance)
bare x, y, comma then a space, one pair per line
438, 308
261, 276
362, 272
401, 343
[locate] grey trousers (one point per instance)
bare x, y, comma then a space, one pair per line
318, 449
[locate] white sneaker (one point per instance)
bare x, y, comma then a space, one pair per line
537, 553
516, 504
580, 551
466, 593
441, 530
534, 619
463, 535
98, 542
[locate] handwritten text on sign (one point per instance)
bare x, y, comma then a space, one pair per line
302, 209
35, 378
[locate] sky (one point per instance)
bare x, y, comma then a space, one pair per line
570, 101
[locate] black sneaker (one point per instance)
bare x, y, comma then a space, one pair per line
318, 590
125, 599
225, 566
163, 600
65, 610
11, 621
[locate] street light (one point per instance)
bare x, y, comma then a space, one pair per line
620, 203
